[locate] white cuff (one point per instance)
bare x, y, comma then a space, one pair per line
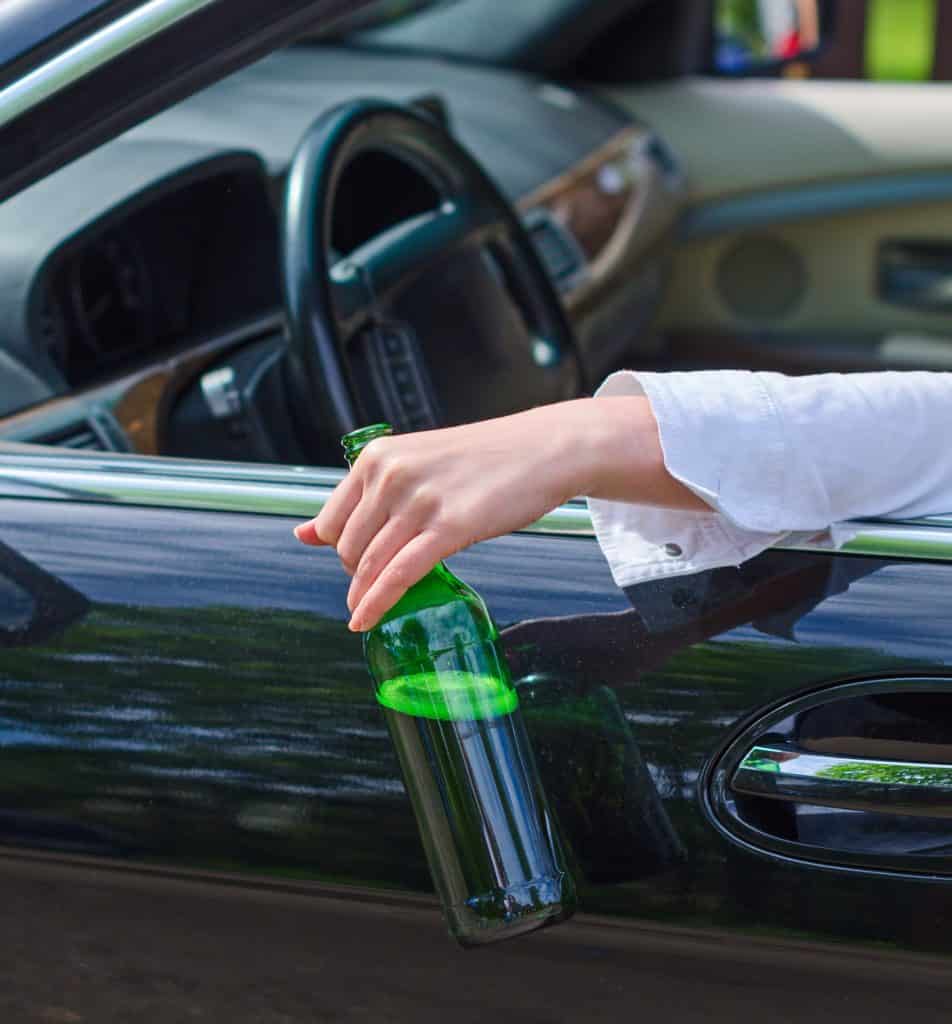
643, 542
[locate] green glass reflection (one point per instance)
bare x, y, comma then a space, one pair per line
757, 762
451, 696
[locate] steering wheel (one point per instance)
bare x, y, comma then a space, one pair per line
444, 317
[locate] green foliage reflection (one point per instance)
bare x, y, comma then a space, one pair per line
889, 774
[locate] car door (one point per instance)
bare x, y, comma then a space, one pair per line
202, 812
201, 815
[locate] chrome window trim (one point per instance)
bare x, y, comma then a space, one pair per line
93, 52
50, 474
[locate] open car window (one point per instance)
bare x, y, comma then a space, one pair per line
145, 262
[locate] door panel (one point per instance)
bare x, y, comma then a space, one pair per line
92, 945
199, 805
796, 192
737, 137
835, 260
210, 708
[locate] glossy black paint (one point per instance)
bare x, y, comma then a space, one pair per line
208, 711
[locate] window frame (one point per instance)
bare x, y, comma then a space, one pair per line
156, 481
125, 70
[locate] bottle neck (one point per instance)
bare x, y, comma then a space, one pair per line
357, 440
353, 444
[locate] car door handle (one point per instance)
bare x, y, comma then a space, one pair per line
786, 772
857, 775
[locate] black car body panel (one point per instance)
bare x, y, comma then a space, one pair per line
200, 711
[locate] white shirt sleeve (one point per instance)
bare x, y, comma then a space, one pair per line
774, 455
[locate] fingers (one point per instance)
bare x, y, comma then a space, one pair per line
411, 563
362, 526
328, 525
377, 519
396, 534
306, 533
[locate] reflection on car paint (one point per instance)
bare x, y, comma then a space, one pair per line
206, 707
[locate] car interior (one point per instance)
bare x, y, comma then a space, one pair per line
462, 212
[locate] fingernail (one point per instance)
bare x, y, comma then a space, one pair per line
355, 625
297, 531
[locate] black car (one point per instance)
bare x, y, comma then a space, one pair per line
231, 231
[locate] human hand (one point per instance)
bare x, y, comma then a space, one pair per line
413, 499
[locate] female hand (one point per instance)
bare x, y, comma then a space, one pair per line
413, 499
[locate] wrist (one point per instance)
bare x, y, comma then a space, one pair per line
620, 449
595, 446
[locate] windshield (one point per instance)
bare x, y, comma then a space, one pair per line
383, 15
481, 30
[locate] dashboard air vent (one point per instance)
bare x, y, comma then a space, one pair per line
560, 253
80, 435
97, 432
664, 158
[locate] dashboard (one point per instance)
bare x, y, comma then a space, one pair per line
127, 273
190, 262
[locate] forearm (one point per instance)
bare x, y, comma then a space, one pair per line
686, 471
605, 448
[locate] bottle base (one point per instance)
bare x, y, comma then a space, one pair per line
505, 913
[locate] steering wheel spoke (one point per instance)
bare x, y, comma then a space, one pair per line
399, 254
352, 297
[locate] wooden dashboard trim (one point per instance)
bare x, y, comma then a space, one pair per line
142, 408
555, 188
617, 203
139, 400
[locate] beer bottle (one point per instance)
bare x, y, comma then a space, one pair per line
442, 681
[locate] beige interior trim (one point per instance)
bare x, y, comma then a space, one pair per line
839, 259
748, 135
748, 139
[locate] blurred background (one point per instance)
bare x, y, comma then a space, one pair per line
878, 40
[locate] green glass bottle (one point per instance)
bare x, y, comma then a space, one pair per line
442, 681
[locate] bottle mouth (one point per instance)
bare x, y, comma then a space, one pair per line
357, 440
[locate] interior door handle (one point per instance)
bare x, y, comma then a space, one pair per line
786, 772
916, 274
